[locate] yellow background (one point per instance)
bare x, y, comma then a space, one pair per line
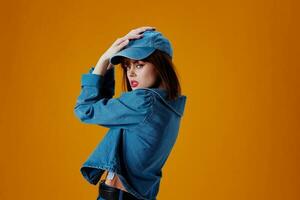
238, 63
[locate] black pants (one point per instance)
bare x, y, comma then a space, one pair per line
107, 192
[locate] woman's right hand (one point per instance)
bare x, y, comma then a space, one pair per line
120, 43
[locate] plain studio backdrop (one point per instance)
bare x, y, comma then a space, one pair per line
238, 63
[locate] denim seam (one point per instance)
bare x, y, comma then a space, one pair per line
148, 115
150, 112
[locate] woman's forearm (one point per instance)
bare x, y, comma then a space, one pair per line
101, 66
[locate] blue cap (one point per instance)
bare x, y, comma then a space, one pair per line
138, 49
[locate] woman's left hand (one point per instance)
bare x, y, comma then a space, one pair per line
117, 46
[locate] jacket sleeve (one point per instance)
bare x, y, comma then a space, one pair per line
108, 87
95, 106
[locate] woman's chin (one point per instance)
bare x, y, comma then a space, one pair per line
137, 87
134, 88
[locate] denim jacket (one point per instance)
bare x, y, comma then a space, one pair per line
143, 127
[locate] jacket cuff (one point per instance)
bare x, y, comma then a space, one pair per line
91, 80
91, 69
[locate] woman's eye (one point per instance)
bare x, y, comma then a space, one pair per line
139, 66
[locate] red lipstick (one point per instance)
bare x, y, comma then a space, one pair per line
134, 83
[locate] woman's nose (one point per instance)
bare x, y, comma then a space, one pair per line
131, 71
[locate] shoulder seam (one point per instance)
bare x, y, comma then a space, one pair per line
155, 93
149, 113
150, 110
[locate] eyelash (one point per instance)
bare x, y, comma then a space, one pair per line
125, 66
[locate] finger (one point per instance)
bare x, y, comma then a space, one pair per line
141, 29
145, 28
120, 40
122, 44
133, 33
136, 36
133, 36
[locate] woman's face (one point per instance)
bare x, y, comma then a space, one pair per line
140, 74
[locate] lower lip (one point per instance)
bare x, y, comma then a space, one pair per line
134, 84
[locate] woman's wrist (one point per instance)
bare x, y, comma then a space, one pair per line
101, 66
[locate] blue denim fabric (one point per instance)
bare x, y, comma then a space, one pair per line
143, 127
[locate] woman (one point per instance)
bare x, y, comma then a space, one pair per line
143, 122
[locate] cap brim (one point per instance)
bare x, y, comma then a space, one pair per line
135, 53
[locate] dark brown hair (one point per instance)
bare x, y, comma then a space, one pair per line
166, 74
